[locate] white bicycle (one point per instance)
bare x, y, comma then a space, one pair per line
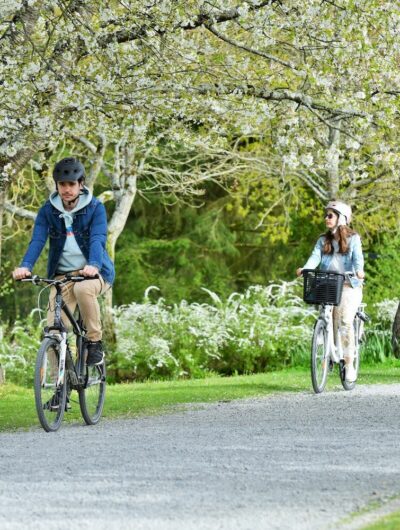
324, 288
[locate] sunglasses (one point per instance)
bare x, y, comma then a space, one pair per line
329, 216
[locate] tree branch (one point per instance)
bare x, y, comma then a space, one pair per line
20, 212
279, 95
130, 34
248, 49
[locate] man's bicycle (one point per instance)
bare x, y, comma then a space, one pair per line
324, 288
58, 371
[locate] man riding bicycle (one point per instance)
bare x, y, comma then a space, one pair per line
76, 224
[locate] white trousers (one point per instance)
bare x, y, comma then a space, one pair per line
343, 318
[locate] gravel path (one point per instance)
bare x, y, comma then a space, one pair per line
292, 461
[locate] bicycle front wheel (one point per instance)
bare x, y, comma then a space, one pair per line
319, 357
50, 398
92, 396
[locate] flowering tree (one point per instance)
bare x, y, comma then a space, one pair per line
316, 86
323, 74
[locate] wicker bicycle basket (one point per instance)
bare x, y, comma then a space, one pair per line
322, 287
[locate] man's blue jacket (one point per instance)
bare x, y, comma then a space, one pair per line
90, 230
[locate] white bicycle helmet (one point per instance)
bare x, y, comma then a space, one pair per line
342, 209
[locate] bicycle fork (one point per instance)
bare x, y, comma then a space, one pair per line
61, 364
61, 338
331, 350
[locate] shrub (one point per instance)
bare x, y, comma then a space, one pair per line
18, 348
261, 329
377, 345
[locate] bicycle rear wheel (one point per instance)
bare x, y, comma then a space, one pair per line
91, 398
50, 398
346, 385
319, 357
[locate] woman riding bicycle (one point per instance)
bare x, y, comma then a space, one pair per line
339, 250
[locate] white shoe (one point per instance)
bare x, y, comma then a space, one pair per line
350, 373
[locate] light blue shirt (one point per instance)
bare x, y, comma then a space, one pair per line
353, 260
72, 258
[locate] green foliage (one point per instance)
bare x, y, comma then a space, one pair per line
210, 117
261, 329
18, 349
180, 251
6, 281
383, 271
16, 299
377, 346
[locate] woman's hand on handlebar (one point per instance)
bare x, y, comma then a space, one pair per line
89, 270
360, 275
21, 272
299, 271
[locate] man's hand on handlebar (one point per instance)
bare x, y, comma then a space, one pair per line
299, 271
89, 270
21, 272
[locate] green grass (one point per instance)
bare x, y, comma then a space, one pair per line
17, 409
390, 522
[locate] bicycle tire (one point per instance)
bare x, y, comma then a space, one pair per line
319, 357
50, 399
346, 385
92, 396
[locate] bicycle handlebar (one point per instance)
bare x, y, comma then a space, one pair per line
37, 280
348, 274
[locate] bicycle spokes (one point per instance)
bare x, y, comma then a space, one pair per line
49, 395
91, 397
319, 357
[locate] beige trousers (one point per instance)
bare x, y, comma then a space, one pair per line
84, 294
343, 317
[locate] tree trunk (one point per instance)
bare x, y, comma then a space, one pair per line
396, 334
333, 162
118, 221
108, 321
2, 207
2, 375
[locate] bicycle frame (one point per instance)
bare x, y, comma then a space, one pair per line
78, 370
334, 344
334, 348
325, 289
58, 373
58, 325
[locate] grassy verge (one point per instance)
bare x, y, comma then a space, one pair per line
390, 522
17, 409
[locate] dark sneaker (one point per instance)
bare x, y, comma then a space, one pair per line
95, 354
53, 404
